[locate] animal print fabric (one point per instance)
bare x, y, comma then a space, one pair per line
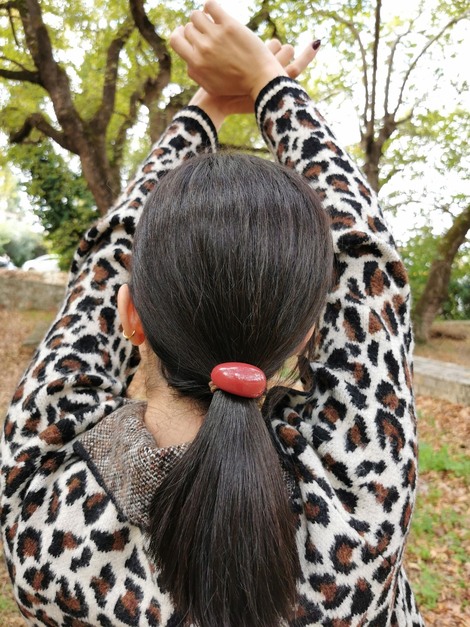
74, 537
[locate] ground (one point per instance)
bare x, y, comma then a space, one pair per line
437, 554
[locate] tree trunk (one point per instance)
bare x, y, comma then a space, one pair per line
100, 178
373, 148
373, 154
436, 290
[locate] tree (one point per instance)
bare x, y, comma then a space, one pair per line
84, 105
87, 103
418, 254
20, 243
61, 198
441, 143
394, 53
436, 291
125, 69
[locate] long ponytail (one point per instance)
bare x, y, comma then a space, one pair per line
232, 262
222, 531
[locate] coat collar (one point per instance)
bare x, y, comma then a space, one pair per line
126, 460
128, 464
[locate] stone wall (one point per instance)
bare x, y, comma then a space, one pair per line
442, 380
24, 290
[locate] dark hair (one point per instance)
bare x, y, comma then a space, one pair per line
232, 262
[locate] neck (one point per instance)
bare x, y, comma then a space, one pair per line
170, 418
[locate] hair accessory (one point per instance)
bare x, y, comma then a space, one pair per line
128, 337
239, 379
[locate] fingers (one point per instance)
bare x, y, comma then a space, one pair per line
303, 60
190, 33
215, 11
201, 21
180, 44
285, 54
274, 45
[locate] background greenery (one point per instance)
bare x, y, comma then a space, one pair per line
86, 87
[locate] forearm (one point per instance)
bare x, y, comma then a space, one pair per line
83, 365
299, 137
371, 277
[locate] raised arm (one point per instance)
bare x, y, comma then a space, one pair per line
226, 58
81, 369
369, 307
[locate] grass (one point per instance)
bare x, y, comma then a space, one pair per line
7, 605
438, 548
431, 524
443, 461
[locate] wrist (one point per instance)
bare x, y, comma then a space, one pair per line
210, 105
265, 77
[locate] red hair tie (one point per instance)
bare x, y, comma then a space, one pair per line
239, 379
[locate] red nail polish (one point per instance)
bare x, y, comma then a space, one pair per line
316, 44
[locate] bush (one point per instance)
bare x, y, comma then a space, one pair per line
20, 242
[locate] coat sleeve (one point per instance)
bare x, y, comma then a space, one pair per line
81, 369
351, 438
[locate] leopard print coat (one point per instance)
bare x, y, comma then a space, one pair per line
78, 465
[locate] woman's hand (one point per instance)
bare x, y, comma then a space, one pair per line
218, 107
223, 56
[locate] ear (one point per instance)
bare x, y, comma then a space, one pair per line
300, 348
129, 317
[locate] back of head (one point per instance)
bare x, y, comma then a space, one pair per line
232, 262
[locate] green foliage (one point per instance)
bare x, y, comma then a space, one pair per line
431, 520
7, 604
63, 240
81, 33
60, 197
428, 589
241, 130
418, 254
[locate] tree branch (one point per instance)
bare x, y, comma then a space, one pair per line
128, 122
154, 86
392, 172
407, 118
13, 62
39, 122
263, 15
160, 118
54, 78
148, 32
390, 64
423, 51
375, 53
8, 6
351, 26
436, 289
21, 75
101, 119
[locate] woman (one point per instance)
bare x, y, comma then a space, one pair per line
191, 508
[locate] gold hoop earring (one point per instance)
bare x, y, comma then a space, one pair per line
128, 337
